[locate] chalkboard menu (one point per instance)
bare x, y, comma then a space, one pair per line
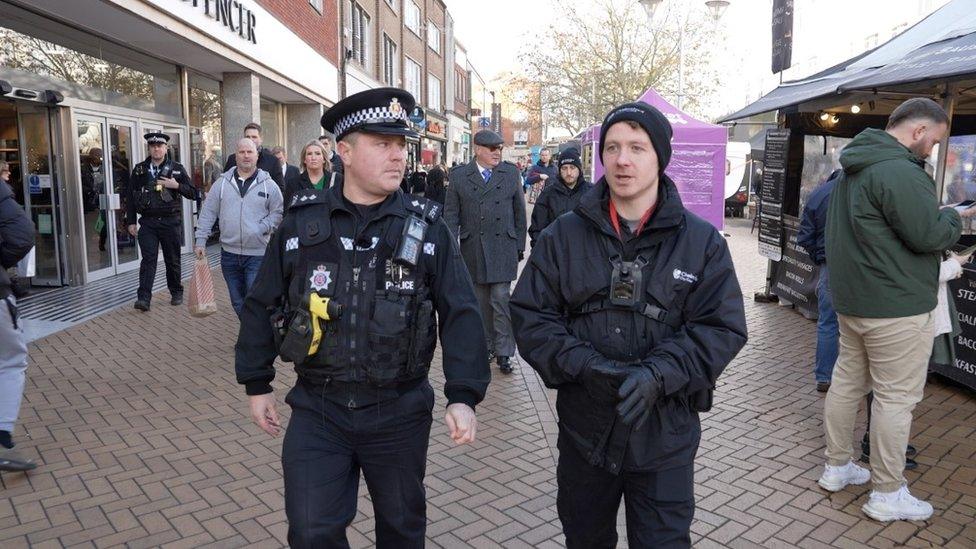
795, 279
963, 293
771, 194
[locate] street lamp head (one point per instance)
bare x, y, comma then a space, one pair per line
650, 6
717, 7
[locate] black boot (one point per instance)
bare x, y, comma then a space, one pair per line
142, 305
177, 299
505, 364
910, 452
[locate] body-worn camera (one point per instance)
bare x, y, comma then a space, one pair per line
411, 241
165, 170
626, 282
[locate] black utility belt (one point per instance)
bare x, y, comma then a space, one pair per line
401, 388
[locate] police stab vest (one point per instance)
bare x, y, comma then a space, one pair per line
387, 332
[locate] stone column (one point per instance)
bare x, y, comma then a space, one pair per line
302, 126
240, 105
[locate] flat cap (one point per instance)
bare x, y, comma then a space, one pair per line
380, 110
488, 138
154, 138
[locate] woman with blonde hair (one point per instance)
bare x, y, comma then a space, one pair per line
315, 174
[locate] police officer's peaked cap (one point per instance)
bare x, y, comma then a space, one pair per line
488, 138
381, 110
154, 138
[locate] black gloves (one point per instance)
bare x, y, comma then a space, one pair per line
521, 256
603, 380
637, 394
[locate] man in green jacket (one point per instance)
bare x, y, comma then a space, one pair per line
885, 233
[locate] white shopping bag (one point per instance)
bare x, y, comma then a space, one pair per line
25, 267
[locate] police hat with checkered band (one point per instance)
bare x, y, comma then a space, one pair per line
156, 138
382, 110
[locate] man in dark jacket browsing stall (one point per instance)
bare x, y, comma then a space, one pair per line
631, 309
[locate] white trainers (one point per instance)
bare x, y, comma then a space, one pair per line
897, 505
836, 477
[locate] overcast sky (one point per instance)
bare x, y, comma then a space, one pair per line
830, 31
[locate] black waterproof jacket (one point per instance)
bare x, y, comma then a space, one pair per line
689, 274
16, 235
555, 200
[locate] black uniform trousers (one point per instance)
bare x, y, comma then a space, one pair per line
659, 505
327, 444
156, 232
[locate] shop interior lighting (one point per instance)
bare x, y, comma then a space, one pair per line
834, 119
824, 116
855, 108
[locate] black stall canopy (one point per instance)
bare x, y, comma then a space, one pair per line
935, 58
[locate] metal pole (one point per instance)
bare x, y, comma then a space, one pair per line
949, 104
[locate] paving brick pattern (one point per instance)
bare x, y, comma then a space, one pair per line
144, 440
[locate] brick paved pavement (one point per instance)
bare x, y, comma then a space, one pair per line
144, 441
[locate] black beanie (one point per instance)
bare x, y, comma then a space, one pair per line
654, 123
571, 156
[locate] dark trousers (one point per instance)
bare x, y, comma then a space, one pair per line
327, 445
659, 505
155, 233
495, 315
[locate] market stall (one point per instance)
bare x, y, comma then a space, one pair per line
697, 160
818, 115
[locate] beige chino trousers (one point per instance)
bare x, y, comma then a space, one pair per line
889, 356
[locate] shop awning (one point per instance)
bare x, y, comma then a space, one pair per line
941, 46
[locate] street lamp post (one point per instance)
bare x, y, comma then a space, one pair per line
717, 9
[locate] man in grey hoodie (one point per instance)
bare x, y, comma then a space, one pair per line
248, 204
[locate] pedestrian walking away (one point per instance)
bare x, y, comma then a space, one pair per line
812, 238
153, 215
885, 236
486, 210
248, 205
266, 160
630, 308
16, 240
355, 286
560, 197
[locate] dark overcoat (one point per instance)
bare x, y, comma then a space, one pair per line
489, 220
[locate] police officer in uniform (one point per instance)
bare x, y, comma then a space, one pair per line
629, 306
360, 278
155, 188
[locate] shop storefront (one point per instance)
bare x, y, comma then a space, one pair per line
433, 146
76, 99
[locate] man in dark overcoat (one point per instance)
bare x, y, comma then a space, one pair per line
486, 209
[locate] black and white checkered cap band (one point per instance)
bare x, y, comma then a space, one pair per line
372, 115
155, 140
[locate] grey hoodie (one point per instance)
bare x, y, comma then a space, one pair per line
246, 222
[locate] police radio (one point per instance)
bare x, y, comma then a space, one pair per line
411, 241
626, 282
165, 170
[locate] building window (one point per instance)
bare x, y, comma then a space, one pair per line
411, 16
206, 131
316, 5
460, 86
871, 41
434, 92
270, 123
389, 61
360, 35
433, 37
412, 75
392, 4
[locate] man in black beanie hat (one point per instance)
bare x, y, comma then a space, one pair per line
561, 196
629, 306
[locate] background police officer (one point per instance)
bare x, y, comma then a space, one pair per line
362, 401
155, 188
630, 307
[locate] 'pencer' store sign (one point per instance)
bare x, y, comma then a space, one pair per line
231, 14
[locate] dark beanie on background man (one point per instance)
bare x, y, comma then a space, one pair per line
654, 123
571, 156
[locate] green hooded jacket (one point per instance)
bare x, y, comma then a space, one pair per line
885, 231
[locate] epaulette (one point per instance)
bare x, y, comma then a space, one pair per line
430, 210
140, 169
305, 197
